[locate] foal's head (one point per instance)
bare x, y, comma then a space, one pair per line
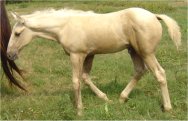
20, 37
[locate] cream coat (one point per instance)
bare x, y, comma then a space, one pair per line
84, 34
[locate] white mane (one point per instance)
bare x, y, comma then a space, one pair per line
60, 12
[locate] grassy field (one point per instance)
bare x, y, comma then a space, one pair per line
48, 74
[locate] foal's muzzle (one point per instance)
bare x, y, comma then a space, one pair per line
12, 55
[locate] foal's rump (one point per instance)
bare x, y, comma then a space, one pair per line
145, 29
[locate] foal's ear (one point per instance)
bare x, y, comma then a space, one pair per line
17, 17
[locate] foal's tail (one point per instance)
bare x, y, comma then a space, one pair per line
173, 28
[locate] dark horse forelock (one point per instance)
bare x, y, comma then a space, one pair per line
8, 65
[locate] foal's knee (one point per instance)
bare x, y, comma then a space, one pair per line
161, 76
76, 84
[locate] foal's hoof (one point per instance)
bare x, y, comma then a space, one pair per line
109, 101
105, 98
166, 108
122, 100
79, 113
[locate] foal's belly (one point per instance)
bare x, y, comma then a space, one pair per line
109, 45
99, 46
106, 40
108, 50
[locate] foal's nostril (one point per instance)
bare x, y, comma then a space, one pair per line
11, 55
8, 55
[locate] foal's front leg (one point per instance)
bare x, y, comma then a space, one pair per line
77, 66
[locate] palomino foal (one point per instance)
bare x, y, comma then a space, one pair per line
84, 34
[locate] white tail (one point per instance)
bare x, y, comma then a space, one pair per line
173, 29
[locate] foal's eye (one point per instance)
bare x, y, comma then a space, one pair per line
17, 34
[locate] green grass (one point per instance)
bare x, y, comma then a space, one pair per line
48, 74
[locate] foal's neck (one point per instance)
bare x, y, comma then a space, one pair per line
46, 36
46, 27
45, 22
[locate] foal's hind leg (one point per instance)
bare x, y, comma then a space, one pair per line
159, 73
86, 70
139, 67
